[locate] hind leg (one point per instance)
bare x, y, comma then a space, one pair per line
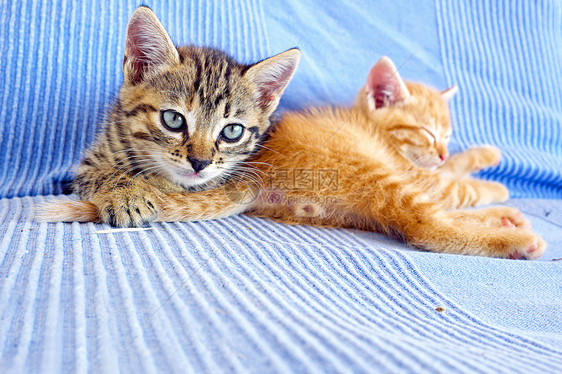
501, 216
498, 232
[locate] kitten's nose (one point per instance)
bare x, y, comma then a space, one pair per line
197, 164
443, 157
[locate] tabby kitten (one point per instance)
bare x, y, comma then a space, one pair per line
418, 128
185, 119
371, 187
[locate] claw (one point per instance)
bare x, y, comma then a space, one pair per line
506, 222
515, 256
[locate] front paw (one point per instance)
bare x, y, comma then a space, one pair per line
504, 216
123, 208
526, 246
484, 157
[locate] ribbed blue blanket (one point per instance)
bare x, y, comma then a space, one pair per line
249, 295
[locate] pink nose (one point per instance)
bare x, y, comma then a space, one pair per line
443, 157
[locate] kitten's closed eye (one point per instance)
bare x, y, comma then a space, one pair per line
430, 135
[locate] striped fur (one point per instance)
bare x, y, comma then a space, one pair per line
377, 190
136, 158
368, 194
371, 187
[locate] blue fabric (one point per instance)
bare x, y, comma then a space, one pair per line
249, 295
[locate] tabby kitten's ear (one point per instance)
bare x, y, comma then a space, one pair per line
147, 46
271, 77
384, 86
449, 92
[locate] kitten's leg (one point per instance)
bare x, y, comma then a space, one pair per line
468, 235
388, 203
445, 231
187, 206
425, 226
501, 216
205, 205
468, 192
470, 161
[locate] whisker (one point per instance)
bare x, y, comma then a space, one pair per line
247, 176
269, 149
137, 162
258, 163
253, 170
139, 173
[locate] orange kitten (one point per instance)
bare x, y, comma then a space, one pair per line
425, 144
328, 169
415, 122
323, 167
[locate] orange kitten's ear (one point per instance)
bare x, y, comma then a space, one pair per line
271, 76
384, 86
147, 45
449, 92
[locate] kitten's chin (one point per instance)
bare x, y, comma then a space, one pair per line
191, 180
430, 165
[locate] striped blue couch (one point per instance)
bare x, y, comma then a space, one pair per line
248, 295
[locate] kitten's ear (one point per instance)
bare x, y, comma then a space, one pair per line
384, 86
271, 76
147, 45
449, 92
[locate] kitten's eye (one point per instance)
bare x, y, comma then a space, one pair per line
173, 120
429, 135
232, 133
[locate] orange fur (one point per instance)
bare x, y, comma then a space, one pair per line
67, 211
371, 194
326, 166
414, 120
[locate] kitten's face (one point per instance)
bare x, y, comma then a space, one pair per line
413, 117
203, 120
192, 114
420, 129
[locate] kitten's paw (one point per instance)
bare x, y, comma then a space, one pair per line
485, 156
493, 192
511, 217
122, 209
529, 247
504, 216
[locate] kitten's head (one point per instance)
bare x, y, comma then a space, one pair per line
413, 117
189, 113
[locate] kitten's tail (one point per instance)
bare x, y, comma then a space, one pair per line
67, 210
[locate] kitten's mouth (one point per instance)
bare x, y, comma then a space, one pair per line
190, 174
188, 177
428, 164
